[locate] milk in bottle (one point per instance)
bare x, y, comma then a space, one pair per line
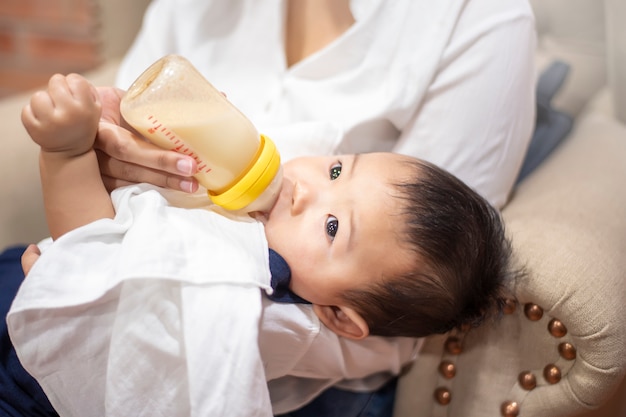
174, 106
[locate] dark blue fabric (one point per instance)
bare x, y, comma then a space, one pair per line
281, 277
551, 125
20, 395
335, 402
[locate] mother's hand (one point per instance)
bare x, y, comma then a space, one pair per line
126, 158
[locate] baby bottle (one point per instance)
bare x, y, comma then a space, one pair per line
175, 107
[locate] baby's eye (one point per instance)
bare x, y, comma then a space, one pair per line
332, 225
335, 171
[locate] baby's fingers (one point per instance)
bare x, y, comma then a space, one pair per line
82, 90
41, 105
29, 257
72, 93
36, 114
59, 91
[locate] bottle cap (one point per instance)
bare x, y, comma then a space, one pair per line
253, 181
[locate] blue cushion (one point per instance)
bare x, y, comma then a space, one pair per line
551, 125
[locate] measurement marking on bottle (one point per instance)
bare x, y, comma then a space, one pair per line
158, 129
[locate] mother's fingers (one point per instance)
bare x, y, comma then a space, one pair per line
187, 185
121, 144
128, 158
116, 173
110, 97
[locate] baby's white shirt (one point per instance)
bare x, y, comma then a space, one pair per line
160, 311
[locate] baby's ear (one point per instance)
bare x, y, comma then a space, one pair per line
342, 320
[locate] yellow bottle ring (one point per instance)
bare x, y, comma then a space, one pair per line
254, 181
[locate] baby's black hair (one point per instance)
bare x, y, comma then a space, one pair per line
462, 260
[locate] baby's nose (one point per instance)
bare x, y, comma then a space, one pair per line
302, 196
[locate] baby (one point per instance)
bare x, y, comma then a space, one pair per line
375, 245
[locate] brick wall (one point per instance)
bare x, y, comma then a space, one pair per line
41, 37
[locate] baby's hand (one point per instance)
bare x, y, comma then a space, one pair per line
65, 117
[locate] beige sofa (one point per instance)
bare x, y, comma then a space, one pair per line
567, 221
561, 349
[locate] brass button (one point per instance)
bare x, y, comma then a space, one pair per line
527, 380
447, 369
509, 306
567, 351
443, 396
552, 374
533, 312
509, 409
557, 328
453, 345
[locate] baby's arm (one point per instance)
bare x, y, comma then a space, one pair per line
63, 121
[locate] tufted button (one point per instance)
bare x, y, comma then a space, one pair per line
527, 380
552, 374
509, 409
567, 351
453, 345
557, 328
443, 396
533, 312
509, 306
447, 369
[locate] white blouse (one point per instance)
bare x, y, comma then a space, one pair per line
449, 81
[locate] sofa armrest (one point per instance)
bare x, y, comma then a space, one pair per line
568, 225
569, 228
573, 32
615, 11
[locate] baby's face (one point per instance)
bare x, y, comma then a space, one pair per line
337, 223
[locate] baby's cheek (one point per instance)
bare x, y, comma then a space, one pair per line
308, 275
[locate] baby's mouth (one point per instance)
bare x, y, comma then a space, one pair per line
264, 216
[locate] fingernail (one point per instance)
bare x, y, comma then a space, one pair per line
184, 166
187, 186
